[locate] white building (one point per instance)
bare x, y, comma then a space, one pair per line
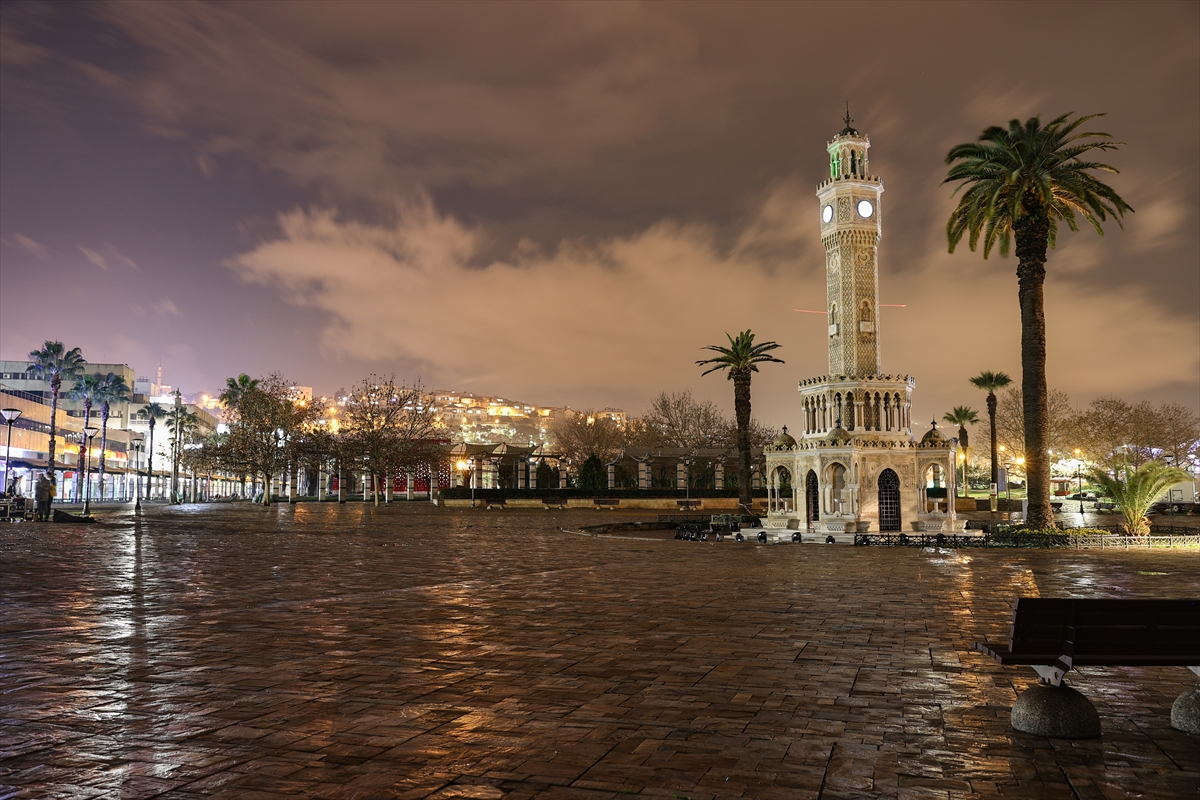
856, 464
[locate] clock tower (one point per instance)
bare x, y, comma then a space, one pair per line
850, 226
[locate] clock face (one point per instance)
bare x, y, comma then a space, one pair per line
826, 214
865, 209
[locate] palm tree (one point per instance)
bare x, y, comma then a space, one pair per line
53, 363
992, 382
1135, 490
741, 358
84, 391
236, 389
962, 416
152, 412
183, 425
111, 389
1020, 182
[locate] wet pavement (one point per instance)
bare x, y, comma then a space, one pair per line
412, 652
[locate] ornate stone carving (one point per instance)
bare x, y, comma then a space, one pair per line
844, 213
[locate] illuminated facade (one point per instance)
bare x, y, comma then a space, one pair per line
856, 464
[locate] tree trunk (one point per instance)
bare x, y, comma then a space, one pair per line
55, 384
150, 463
1032, 238
991, 405
104, 412
741, 410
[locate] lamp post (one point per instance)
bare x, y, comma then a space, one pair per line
136, 441
90, 433
10, 416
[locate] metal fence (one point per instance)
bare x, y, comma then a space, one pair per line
1185, 538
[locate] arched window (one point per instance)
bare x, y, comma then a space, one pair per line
935, 477
835, 476
849, 411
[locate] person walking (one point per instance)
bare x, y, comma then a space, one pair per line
42, 494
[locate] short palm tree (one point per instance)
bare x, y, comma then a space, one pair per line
992, 382
112, 389
84, 391
152, 412
1021, 182
740, 359
962, 416
236, 389
53, 363
1135, 490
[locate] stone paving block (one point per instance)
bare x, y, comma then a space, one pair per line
408, 651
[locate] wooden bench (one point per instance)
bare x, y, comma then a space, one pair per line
688, 505
607, 502
1056, 635
554, 502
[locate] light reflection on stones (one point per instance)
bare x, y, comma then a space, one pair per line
416, 651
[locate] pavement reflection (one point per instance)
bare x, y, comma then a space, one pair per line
407, 651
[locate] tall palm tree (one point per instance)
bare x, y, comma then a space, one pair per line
739, 359
962, 416
152, 412
183, 424
1135, 490
992, 382
84, 391
1020, 182
112, 389
53, 363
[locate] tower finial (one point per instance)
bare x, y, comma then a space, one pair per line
849, 129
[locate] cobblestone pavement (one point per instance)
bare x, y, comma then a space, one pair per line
412, 652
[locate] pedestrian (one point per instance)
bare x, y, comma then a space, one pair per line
43, 494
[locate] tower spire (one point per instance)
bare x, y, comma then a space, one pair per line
849, 129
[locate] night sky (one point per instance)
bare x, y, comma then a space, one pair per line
562, 203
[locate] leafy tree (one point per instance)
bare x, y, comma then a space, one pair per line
593, 477
53, 363
266, 425
1020, 182
84, 391
1134, 490
545, 476
991, 382
152, 412
111, 389
740, 359
962, 416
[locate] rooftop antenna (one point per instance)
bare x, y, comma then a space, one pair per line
848, 120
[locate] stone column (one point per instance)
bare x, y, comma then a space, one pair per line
321, 484
522, 471
408, 486
562, 475
681, 475
645, 474
719, 475
389, 487
612, 476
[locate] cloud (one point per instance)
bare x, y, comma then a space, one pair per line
627, 315
166, 308
39, 251
109, 258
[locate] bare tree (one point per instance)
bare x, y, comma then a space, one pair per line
1114, 433
680, 420
579, 434
387, 426
1010, 422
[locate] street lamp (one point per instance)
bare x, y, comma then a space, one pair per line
90, 432
10, 416
463, 466
136, 441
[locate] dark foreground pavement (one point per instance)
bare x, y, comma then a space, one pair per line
325, 651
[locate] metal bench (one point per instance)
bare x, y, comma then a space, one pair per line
1056, 635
